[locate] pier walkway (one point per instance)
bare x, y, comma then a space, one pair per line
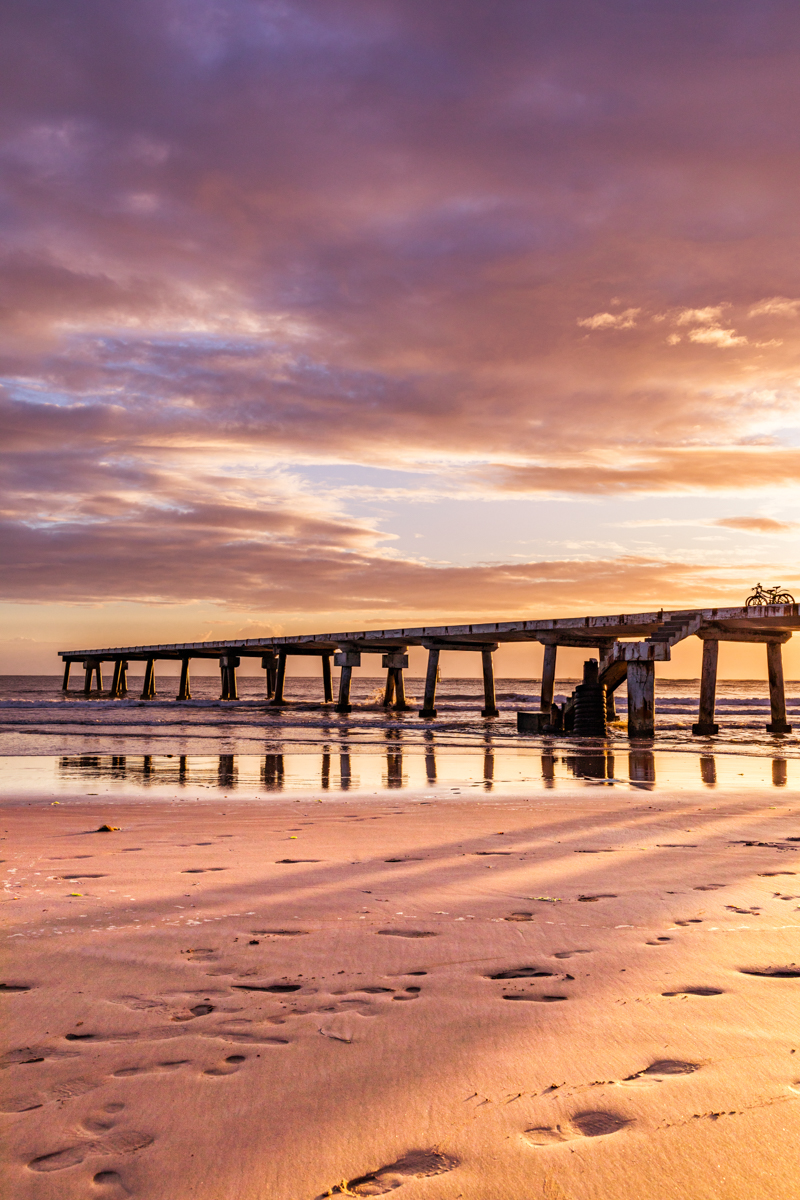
628, 647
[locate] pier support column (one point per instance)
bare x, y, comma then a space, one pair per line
346, 659
89, 668
431, 679
548, 678
65, 685
400, 704
119, 683
394, 662
490, 708
280, 679
343, 703
327, 682
603, 651
641, 698
184, 690
149, 686
705, 726
223, 679
269, 663
777, 697
231, 662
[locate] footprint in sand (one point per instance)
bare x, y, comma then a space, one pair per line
659, 941
417, 1164
790, 972
169, 1065
583, 1124
522, 973
228, 1067
407, 933
570, 953
658, 1071
8, 988
121, 1141
33, 1054
540, 999
62, 1091
696, 991
597, 896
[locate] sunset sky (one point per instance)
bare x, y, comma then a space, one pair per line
336, 314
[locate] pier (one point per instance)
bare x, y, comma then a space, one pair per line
627, 646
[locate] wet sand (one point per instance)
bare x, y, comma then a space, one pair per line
586, 996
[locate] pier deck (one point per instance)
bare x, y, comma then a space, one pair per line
628, 647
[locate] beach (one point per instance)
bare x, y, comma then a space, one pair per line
580, 993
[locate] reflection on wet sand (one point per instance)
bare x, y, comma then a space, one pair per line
397, 767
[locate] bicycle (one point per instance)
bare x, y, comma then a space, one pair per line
772, 595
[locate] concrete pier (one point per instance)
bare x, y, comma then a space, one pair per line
629, 647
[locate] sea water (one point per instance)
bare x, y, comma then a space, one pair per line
59, 743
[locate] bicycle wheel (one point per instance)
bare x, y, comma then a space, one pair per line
783, 598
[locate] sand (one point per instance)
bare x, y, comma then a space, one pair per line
588, 996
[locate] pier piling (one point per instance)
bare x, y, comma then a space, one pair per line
777, 696
490, 708
431, 679
548, 677
67, 665
327, 682
277, 700
149, 686
184, 689
705, 726
641, 698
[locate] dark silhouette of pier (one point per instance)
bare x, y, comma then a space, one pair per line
628, 647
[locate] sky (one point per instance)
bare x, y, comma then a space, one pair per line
320, 315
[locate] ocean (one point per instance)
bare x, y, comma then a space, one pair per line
53, 743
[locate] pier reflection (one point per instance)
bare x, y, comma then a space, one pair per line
394, 765
597, 764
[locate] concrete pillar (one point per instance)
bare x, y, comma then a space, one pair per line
548, 678
429, 702
343, 703
149, 686
65, 685
233, 689
87, 677
490, 708
123, 678
400, 691
388, 693
269, 664
705, 726
327, 682
99, 675
641, 698
115, 678
224, 690
280, 679
777, 698
603, 651
184, 690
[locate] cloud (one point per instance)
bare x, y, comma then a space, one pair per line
756, 524
777, 306
607, 320
700, 316
244, 236
714, 336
